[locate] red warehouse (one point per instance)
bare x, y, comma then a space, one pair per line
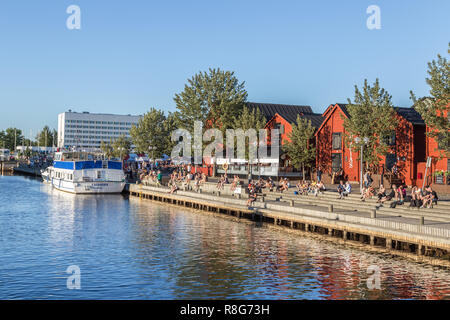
439, 173
407, 148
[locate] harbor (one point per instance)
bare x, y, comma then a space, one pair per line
128, 248
422, 236
160, 151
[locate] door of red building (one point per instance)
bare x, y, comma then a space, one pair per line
336, 162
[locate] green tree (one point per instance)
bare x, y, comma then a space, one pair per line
121, 147
434, 110
170, 124
214, 98
372, 116
107, 149
299, 148
10, 138
46, 137
150, 135
2, 139
248, 119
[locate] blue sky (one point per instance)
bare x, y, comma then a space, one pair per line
133, 55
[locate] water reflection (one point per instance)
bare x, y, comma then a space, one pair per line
134, 249
213, 257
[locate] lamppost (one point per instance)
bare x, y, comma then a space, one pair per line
251, 160
365, 141
150, 149
121, 149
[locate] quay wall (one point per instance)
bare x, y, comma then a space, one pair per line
28, 170
6, 166
424, 243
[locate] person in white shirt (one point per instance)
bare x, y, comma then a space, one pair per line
347, 189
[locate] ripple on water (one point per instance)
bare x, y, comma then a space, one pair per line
131, 249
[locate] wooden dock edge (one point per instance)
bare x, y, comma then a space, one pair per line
416, 247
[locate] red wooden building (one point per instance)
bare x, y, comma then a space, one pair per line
284, 122
437, 174
407, 148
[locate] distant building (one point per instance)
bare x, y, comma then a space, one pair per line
36, 149
87, 130
281, 117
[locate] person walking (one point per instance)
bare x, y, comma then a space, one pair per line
319, 174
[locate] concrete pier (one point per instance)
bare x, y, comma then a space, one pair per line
395, 234
32, 171
7, 166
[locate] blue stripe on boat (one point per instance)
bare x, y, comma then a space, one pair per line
114, 165
67, 165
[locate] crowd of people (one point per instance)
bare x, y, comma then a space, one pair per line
182, 175
186, 178
417, 198
305, 187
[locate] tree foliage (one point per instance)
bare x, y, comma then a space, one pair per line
245, 120
299, 148
11, 137
47, 137
249, 119
371, 115
434, 110
151, 133
214, 98
121, 147
107, 148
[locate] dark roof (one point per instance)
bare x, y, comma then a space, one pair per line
268, 110
411, 115
344, 108
316, 118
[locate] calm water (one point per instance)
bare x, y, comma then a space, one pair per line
131, 249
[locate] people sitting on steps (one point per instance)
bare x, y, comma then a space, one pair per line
319, 188
367, 193
252, 195
340, 189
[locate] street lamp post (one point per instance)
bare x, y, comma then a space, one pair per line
121, 149
151, 148
365, 140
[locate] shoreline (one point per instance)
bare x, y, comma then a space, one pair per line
426, 245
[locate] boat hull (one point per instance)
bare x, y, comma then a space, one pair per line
96, 187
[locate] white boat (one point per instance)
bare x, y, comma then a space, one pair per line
81, 173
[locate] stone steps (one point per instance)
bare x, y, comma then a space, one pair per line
353, 205
442, 205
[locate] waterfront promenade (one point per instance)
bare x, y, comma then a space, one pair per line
423, 235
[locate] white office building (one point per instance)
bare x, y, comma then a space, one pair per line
87, 130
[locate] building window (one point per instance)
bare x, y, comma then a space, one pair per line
337, 141
443, 142
390, 139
